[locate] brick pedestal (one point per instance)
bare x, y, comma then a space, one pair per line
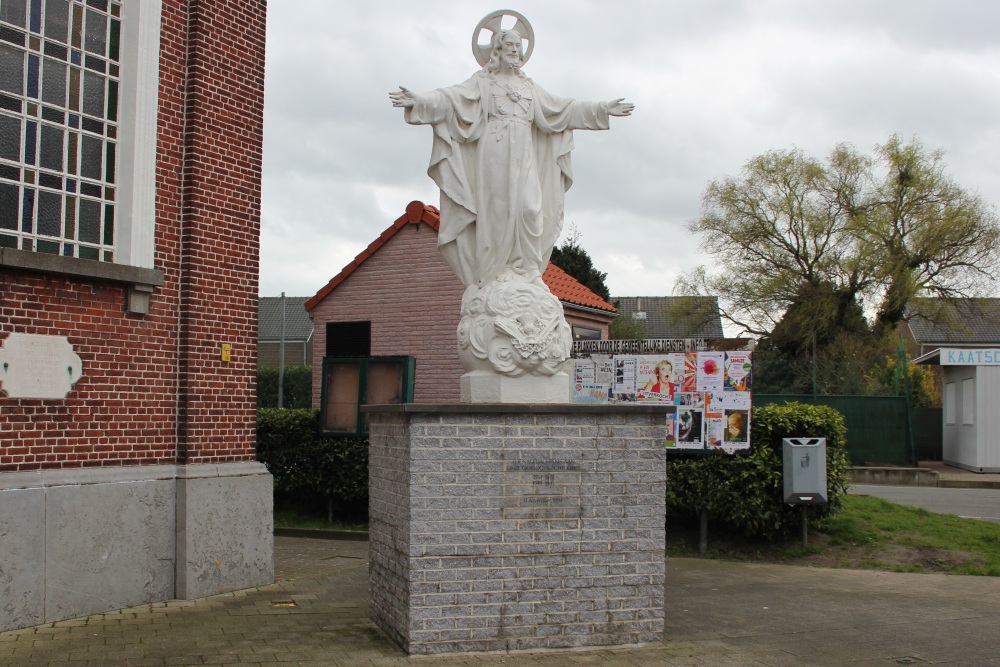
517, 527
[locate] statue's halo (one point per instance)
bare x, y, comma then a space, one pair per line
492, 23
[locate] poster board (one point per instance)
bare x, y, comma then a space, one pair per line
707, 384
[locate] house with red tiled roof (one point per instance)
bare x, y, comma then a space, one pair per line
398, 299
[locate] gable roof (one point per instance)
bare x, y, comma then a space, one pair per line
568, 289
674, 316
416, 212
298, 324
958, 321
565, 288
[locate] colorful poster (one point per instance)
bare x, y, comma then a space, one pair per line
655, 378
710, 373
738, 371
734, 436
590, 393
689, 428
689, 380
671, 430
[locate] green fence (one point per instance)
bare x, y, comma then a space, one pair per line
927, 435
878, 429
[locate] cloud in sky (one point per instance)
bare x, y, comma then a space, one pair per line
714, 84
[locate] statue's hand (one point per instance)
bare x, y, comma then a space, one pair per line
403, 98
620, 107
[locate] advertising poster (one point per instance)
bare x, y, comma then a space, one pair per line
671, 430
584, 370
714, 420
710, 374
655, 378
624, 382
689, 380
590, 393
737, 426
689, 428
738, 371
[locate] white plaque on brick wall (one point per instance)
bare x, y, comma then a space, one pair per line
34, 366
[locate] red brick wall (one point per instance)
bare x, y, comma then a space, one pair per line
154, 390
413, 301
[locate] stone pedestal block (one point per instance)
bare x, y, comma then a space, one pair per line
489, 387
507, 527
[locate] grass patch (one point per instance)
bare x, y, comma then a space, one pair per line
869, 533
297, 519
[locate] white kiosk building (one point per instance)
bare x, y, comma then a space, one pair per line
963, 337
971, 398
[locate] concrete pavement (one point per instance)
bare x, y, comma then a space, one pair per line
717, 613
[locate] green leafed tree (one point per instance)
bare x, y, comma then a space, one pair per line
810, 244
574, 260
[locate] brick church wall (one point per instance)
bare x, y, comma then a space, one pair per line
154, 388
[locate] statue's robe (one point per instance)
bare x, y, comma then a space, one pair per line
503, 167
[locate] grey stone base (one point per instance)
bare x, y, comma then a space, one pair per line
505, 528
84, 541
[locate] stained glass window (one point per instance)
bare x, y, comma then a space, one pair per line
59, 85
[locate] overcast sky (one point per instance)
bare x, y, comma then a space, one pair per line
714, 82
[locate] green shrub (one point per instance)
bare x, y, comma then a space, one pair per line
312, 472
298, 387
744, 491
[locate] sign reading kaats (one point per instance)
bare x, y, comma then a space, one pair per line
708, 387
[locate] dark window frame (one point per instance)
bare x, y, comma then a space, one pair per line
408, 364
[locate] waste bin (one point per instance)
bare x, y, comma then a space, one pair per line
804, 470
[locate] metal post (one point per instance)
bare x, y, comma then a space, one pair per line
281, 357
814, 366
703, 531
805, 526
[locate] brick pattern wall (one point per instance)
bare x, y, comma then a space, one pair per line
154, 389
413, 301
517, 530
220, 240
388, 527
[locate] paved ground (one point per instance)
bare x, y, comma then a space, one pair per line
717, 613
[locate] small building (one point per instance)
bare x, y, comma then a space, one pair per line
673, 317
392, 315
962, 337
298, 333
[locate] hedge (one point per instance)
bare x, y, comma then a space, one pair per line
298, 387
312, 470
744, 491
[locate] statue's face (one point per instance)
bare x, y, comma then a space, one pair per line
510, 48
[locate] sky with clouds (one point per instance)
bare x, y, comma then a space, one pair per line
715, 82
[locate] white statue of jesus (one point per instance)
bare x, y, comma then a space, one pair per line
501, 157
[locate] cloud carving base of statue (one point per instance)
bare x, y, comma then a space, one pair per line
501, 157
514, 343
